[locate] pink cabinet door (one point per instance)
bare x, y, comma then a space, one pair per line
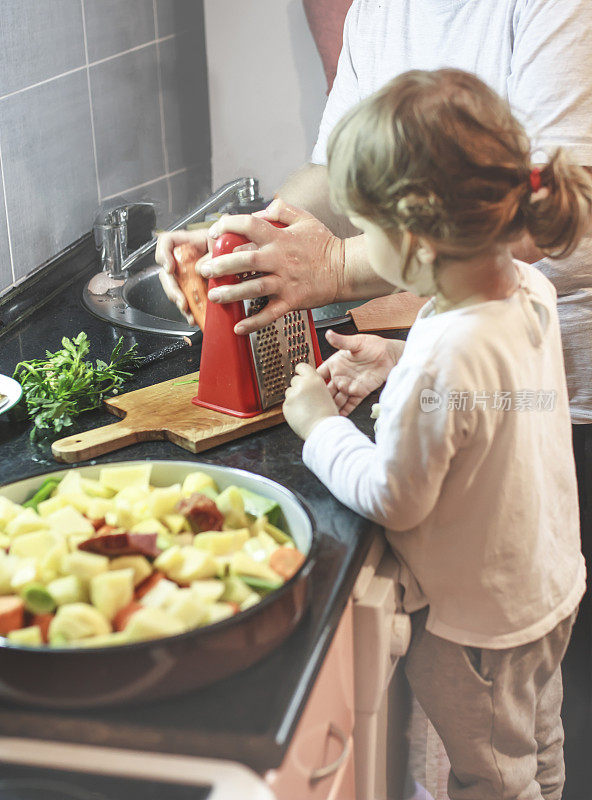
319, 763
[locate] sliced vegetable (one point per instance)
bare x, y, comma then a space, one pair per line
70, 522
286, 561
25, 522
221, 542
219, 611
258, 506
111, 591
44, 492
69, 589
122, 617
152, 623
8, 511
241, 564
29, 637
187, 607
43, 621
84, 565
150, 526
77, 621
235, 590
163, 500
37, 599
276, 533
260, 584
160, 594
198, 482
231, 504
141, 567
118, 478
148, 584
187, 564
251, 601
208, 590
12, 614
96, 488
176, 523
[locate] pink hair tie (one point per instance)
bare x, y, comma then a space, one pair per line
535, 179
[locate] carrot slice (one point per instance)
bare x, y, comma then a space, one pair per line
12, 614
147, 584
43, 621
122, 617
286, 561
193, 286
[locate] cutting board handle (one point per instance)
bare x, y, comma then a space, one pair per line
98, 441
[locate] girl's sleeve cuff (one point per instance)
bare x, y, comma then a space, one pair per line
324, 439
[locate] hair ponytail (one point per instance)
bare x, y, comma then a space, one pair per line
562, 213
440, 155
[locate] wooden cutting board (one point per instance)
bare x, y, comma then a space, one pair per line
390, 313
162, 411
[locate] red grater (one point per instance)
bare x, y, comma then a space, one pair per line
245, 375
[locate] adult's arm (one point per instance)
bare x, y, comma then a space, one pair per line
314, 263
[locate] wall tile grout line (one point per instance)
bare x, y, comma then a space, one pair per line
92, 117
88, 65
10, 253
166, 176
161, 106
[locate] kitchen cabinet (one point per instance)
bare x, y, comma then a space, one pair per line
319, 764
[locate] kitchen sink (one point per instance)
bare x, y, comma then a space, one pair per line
140, 303
128, 292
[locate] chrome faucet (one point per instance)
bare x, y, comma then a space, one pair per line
110, 227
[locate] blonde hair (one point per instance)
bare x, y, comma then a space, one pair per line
439, 154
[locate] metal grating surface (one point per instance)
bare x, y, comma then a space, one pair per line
277, 349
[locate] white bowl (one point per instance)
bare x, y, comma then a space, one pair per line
12, 390
166, 473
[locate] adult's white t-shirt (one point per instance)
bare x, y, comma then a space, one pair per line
535, 53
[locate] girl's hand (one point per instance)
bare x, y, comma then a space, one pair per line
307, 402
360, 366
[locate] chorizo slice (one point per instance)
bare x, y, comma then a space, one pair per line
201, 511
122, 544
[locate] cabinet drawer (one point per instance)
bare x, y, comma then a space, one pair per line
320, 757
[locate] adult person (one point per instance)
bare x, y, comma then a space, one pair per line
537, 54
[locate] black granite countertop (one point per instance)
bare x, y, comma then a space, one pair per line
251, 716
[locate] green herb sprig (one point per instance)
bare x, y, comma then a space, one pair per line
60, 387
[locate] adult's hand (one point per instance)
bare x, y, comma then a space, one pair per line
300, 266
360, 365
164, 256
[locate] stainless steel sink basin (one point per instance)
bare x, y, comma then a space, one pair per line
140, 304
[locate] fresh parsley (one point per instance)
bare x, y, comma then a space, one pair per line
63, 385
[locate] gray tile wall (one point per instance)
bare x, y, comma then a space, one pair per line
106, 100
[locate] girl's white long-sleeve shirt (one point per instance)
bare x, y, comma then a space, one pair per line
472, 473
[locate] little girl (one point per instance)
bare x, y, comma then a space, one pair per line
472, 472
